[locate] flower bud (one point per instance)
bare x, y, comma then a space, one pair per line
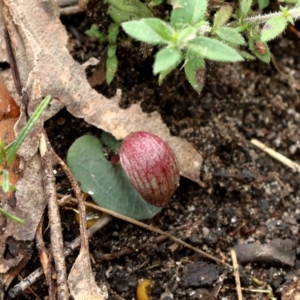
151, 166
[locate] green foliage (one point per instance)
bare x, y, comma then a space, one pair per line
194, 69
263, 3
273, 28
8, 153
107, 184
112, 61
245, 6
166, 59
189, 38
214, 49
124, 10
260, 49
119, 11
155, 3
222, 16
110, 142
11, 150
152, 31
230, 35
95, 33
187, 12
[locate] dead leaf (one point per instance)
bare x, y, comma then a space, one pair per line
3, 53
47, 68
15, 246
81, 281
29, 206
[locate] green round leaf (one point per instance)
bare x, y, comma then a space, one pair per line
108, 185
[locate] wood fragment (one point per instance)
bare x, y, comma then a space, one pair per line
54, 219
236, 273
45, 260
279, 157
71, 10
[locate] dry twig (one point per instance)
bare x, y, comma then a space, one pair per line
281, 158
236, 273
156, 230
34, 276
54, 218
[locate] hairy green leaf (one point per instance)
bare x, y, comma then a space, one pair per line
185, 34
187, 12
214, 50
222, 16
111, 68
111, 51
245, 7
113, 31
151, 31
230, 35
166, 59
164, 30
194, 69
131, 6
273, 28
125, 10
95, 33
162, 75
108, 185
246, 55
260, 50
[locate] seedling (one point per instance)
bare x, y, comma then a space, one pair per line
119, 11
189, 38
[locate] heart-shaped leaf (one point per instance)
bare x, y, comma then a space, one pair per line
107, 184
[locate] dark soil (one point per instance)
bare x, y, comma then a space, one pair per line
249, 198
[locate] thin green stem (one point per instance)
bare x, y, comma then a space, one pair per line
11, 217
13, 148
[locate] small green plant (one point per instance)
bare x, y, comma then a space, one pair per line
8, 153
119, 11
189, 37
